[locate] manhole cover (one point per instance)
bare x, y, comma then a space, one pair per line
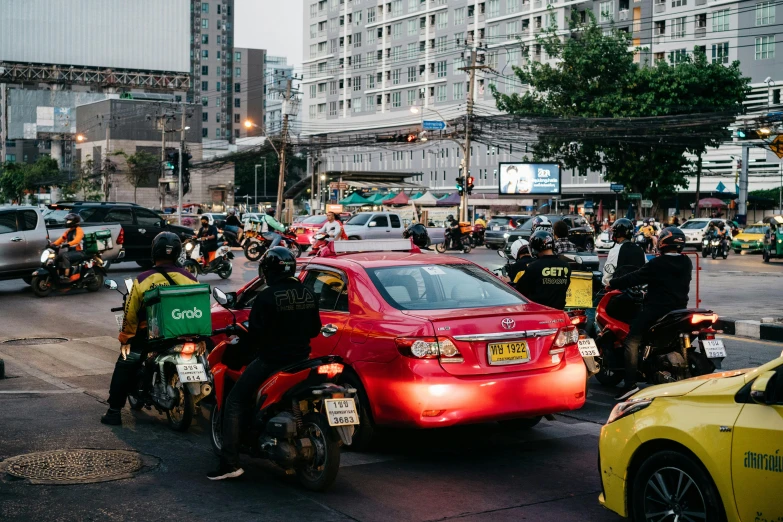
78, 466
35, 340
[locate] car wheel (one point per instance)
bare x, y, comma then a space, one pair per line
2, 369
489, 247
362, 437
521, 424
673, 482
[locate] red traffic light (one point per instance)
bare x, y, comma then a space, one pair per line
470, 180
412, 138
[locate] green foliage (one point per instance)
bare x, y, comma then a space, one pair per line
596, 77
18, 178
245, 172
140, 167
86, 185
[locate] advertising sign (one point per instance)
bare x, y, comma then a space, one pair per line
529, 178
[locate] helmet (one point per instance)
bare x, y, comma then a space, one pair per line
232, 211
418, 232
721, 225
450, 218
621, 228
541, 222
72, 220
715, 223
277, 264
541, 240
166, 245
520, 248
671, 239
270, 212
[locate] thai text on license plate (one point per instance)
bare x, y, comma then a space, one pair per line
713, 348
508, 353
588, 348
191, 373
341, 412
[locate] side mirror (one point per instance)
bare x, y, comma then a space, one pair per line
110, 284
372, 224
609, 269
764, 387
220, 296
502, 253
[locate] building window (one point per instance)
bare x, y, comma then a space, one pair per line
459, 16
411, 74
442, 20
357, 83
237, 72
677, 56
237, 87
396, 76
441, 93
236, 118
442, 69
765, 13
512, 6
679, 3
678, 27
412, 97
10, 158
396, 99
204, 86
217, 117
397, 31
237, 57
217, 134
720, 52
236, 103
493, 8
204, 70
205, 23
357, 105
217, 85
396, 8
765, 47
605, 12
204, 116
204, 54
204, 7
204, 101
720, 20
205, 38
459, 90
204, 133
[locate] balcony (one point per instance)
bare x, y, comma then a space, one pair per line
624, 15
701, 32
660, 7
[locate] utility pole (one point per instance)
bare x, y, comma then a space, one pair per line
284, 137
162, 121
698, 185
463, 215
181, 153
743, 182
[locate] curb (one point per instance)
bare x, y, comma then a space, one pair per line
752, 329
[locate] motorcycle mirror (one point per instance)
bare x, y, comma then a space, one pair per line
129, 284
110, 284
220, 296
609, 269
502, 253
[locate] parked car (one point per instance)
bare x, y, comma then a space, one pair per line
383, 225
695, 229
498, 228
24, 236
580, 232
139, 225
706, 448
432, 341
603, 244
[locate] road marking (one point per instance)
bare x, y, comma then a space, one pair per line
747, 340
41, 392
349, 459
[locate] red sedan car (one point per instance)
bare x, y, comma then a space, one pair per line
434, 341
305, 229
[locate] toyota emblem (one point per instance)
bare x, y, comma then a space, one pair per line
508, 323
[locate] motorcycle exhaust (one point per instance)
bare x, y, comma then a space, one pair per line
206, 389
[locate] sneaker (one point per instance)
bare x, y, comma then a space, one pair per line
112, 417
626, 392
225, 471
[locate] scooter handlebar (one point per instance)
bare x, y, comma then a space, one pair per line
118, 309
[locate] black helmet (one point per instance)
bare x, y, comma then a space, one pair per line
72, 220
541, 222
277, 264
418, 232
541, 240
621, 228
270, 212
166, 245
721, 225
450, 218
715, 223
671, 239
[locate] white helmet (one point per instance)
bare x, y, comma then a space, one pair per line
519, 245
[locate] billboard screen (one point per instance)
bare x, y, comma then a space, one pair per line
535, 179
139, 35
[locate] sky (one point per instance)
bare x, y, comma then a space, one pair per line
274, 25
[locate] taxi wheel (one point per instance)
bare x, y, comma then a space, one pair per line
673, 481
362, 437
521, 424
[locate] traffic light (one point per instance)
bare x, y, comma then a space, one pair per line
186, 172
173, 163
461, 185
470, 185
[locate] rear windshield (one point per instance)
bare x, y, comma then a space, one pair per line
694, 225
440, 287
314, 220
359, 219
755, 230
57, 216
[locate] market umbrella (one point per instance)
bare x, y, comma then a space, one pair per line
711, 203
417, 196
427, 199
450, 200
355, 200
376, 199
399, 199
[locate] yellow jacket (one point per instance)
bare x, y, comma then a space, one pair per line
135, 315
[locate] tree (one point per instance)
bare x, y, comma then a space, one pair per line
87, 184
245, 171
140, 167
18, 178
595, 76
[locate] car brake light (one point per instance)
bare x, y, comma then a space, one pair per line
567, 335
121, 237
700, 318
330, 370
429, 348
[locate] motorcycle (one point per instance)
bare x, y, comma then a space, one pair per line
301, 418
255, 246
234, 239
89, 274
680, 345
462, 244
192, 260
174, 378
477, 239
645, 243
318, 241
715, 246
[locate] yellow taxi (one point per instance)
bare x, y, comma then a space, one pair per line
751, 239
706, 449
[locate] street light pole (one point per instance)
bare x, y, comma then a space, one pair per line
179, 170
281, 178
468, 121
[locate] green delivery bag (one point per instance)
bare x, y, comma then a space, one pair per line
176, 311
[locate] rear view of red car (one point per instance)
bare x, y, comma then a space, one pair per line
305, 229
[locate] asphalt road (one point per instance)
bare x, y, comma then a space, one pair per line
54, 393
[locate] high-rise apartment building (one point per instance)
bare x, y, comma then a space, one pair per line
227, 81
278, 71
367, 63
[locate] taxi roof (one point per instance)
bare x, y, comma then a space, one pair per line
384, 259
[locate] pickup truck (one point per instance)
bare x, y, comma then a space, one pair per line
383, 225
24, 235
139, 225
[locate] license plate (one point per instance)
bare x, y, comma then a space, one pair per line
745, 246
300, 231
191, 373
495, 228
588, 348
341, 412
508, 353
713, 348
119, 318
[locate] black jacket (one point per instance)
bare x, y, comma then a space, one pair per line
209, 245
283, 319
546, 281
520, 265
233, 221
630, 258
668, 278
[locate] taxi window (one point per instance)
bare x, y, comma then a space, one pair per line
439, 287
329, 289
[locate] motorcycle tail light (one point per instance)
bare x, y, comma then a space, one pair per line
700, 318
121, 237
330, 370
567, 335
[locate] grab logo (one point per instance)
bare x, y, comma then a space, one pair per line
186, 314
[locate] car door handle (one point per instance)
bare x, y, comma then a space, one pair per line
329, 330
143, 230
16, 239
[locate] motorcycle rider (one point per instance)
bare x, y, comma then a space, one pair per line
166, 248
73, 239
233, 226
562, 243
481, 221
283, 319
668, 277
331, 228
520, 252
207, 236
453, 233
273, 227
418, 232
546, 279
648, 230
625, 256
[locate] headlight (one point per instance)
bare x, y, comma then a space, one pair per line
506, 235
47, 255
189, 247
626, 408
706, 242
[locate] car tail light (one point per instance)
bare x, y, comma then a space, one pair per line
330, 370
121, 237
429, 348
700, 318
567, 335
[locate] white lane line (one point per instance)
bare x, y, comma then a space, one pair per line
41, 392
